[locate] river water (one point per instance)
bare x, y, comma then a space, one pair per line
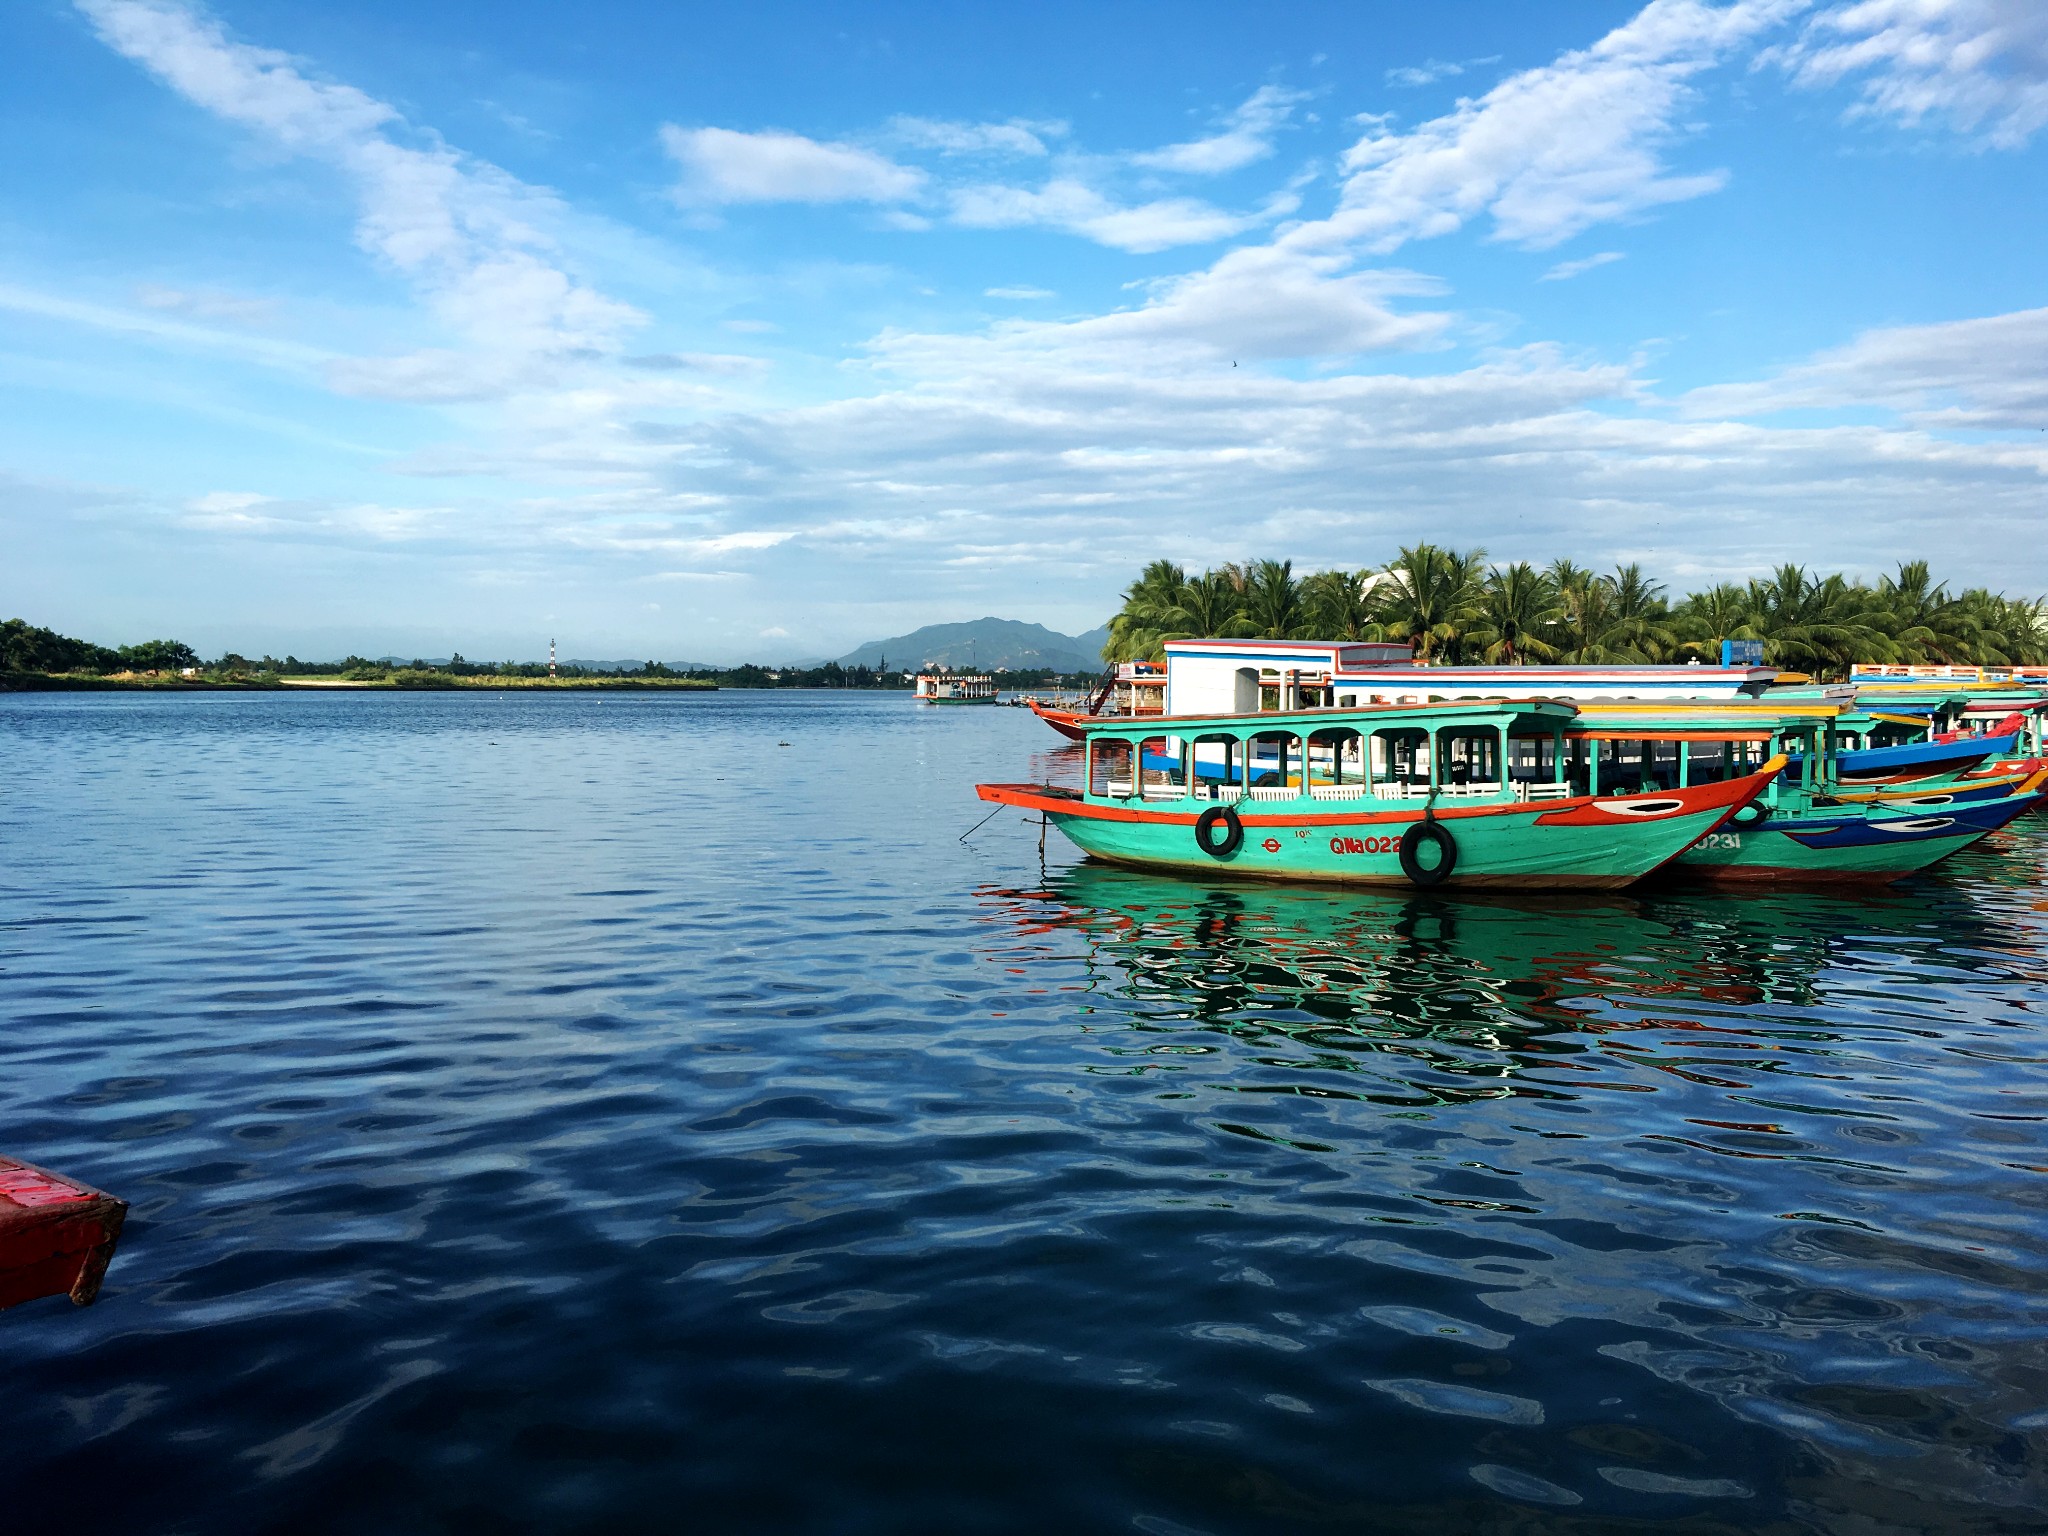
599, 1112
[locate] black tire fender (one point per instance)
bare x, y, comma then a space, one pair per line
1754, 814
1430, 831
1233, 836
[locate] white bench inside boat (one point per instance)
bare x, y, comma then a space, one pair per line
1225, 794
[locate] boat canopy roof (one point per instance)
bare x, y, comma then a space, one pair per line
1527, 716
1699, 719
1649, 681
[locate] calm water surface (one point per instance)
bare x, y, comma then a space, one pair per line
619, 1113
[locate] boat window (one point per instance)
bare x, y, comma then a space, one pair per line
1275, 760
1400, 756
1532, 759
1469, 755
1218, 766
1162, 768
1336, 756
1109, 766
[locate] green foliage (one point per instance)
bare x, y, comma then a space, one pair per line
25, 648
1453, 608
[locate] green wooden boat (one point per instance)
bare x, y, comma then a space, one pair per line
1799, 829
1494, 794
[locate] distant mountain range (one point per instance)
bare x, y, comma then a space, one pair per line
984, 645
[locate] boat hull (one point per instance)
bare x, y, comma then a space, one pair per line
1582, 843
1062, 720
1874, 848
1950, 792
1872, 767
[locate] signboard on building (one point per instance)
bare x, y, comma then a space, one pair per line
1742, 653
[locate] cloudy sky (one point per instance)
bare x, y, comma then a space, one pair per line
694, 330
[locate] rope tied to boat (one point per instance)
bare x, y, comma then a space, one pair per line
991, 816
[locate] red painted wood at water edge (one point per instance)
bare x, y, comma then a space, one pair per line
56, 1234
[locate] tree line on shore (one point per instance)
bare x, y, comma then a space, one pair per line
29, 651
1453, 607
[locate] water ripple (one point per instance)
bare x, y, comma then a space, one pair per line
555, 1113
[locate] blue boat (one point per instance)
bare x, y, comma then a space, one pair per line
1921, 760
1959, 825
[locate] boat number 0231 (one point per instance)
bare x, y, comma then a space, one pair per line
1365, 845
1722, 840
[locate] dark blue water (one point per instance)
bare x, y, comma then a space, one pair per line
591, 1113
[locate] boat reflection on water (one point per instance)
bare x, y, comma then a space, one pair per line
1475, 988
1740, 1194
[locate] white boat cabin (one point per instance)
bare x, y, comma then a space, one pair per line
1245, 677
1422, 685
954, 688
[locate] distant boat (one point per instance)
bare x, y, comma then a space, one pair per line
954, 688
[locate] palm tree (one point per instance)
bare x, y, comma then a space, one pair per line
1273, 607
1516, 605
1436, 596
1344, 605
1135, 634
1209, 606
2005, 630
1584, 609
1637, 626
1924, 622
1815, 624
1705, 619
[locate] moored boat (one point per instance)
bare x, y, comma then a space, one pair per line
1068, 722
1805, 827
954, 688
1921, 760
1496, 794
56, 1234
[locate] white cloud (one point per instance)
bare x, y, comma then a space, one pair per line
155, 326
723, 165
1016, 137
1019, 292
207, 304
1068, 204
1428, 73
1424, 74
1247, 137
1983, 373
1565, 270
1550, 151
472, 239
1254, 304
727, 364
1980, 64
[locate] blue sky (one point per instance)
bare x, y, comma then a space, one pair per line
718, 331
